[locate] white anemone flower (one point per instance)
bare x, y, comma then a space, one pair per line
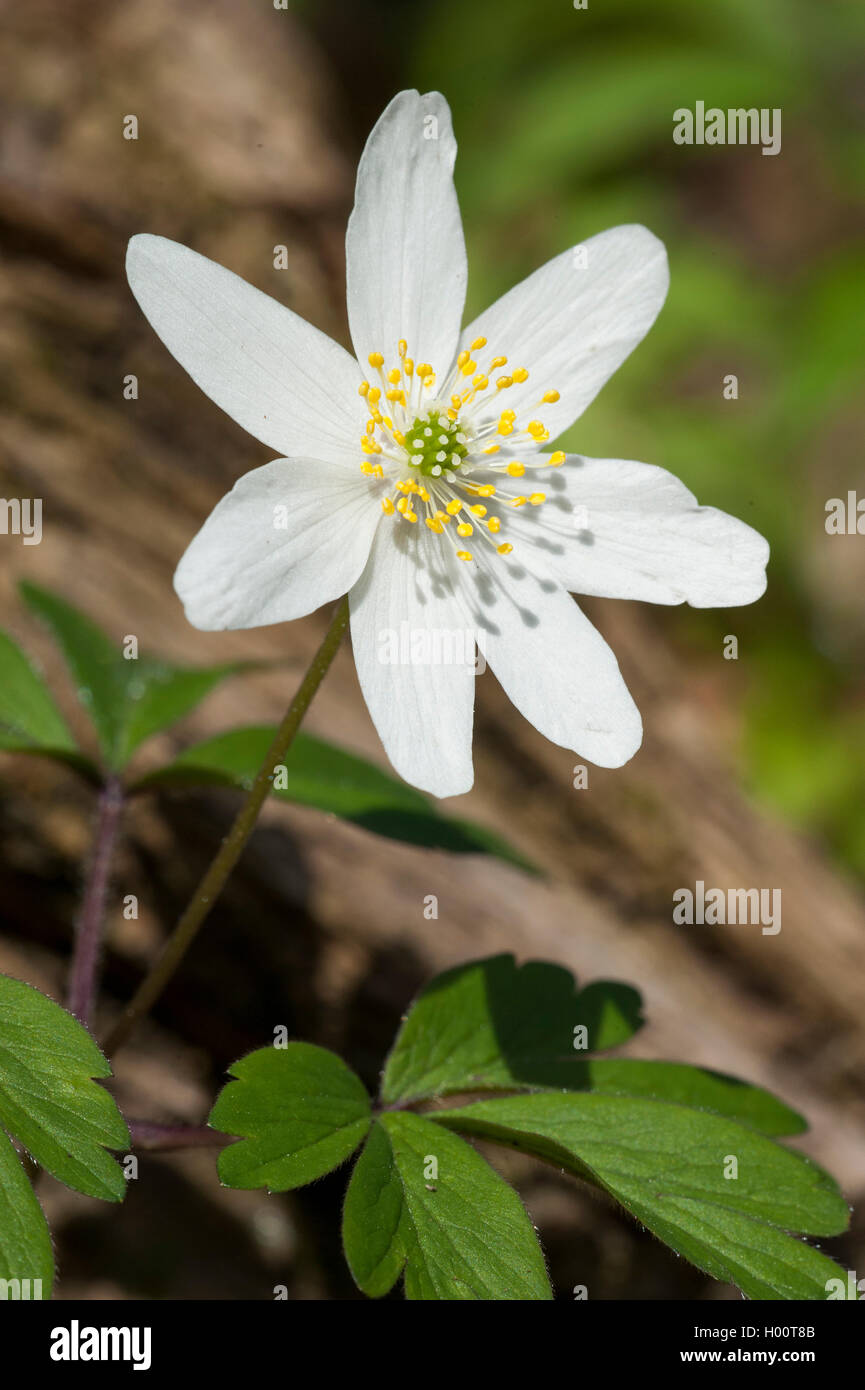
417, 481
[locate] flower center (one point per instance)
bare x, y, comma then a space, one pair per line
437, 450
435, 445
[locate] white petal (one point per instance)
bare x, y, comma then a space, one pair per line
281, 379
289, 537
630, 530
550, 661
571, 326
405, 253
409, 594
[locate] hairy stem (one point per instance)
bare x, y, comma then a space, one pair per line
91, 918
232, 846
147, 1135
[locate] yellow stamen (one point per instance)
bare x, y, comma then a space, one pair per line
464, 555
505, 548
465, 528
387, 506
520, 374
375, 359
557, 459
537, 498
516, 470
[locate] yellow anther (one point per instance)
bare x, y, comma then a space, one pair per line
394, 376
516, 470
410, 516
518, 502
453, 413
536, 428
464, 555
498, 362
367, 469
375, 359
397, 395
387, 506
423, 494
454, 507
536, 498
487, 490
478, 344
494, 524
465, 528
377, 470
491, 449
557, 459
503, 382
434, 525
468, 367
370, 427
363, 388
505, 548
463, 358
481, 383
399, 436
402, 347
402, 504
373, 395
520, 374
408, 366
478, 509
550, 397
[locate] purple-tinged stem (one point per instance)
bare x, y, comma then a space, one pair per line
91, 917
146, 1135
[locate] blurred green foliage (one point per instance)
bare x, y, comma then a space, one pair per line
564, 119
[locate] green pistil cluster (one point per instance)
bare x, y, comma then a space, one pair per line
436, 446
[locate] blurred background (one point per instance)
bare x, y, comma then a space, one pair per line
251, 120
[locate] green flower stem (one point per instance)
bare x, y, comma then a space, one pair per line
91, 918
233, 845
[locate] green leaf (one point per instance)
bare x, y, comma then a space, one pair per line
127, 700
25, 1242
94, 662
666, 1164
158, 695
697, 1088
300, 1112
463, 1234
328, 778
494, 1025
28, 714
48, 1100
